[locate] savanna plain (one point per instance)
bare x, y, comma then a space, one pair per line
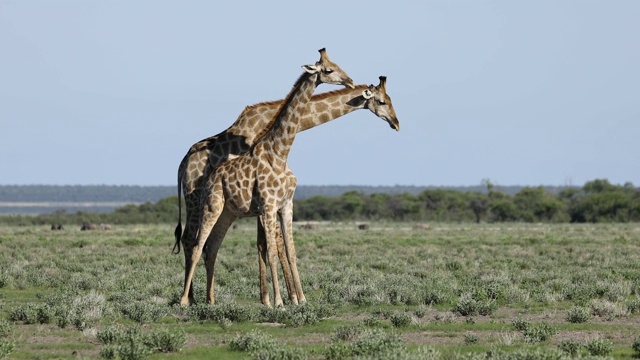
391, 291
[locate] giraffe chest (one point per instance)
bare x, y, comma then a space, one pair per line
261, 190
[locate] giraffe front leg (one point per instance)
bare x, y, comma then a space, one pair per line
284, 262
287, 232
270, 223
261, 242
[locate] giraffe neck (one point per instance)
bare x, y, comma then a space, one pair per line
330, 106
279, 138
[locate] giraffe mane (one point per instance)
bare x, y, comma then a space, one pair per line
342, 91
285, 103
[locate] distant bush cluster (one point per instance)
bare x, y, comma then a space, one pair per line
597, 201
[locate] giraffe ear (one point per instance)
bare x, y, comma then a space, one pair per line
311, 69
367, 94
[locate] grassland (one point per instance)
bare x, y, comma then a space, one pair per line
452, 291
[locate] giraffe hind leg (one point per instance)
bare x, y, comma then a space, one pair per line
212, 246
210, 213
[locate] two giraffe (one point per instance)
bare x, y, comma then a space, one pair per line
320, 109
205, 156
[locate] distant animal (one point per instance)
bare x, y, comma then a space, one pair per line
422, 226
57, 227
89, 227
307, 226
105, 226
363, 226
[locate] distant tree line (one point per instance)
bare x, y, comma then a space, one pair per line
84, 193
596, 201
163, 211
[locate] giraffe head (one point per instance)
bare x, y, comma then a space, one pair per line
328, 71
377, 100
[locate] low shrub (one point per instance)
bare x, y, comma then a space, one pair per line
578, 314
636, 347
144, 312
633, 306
109, 335
400, 319
5, 328
470, 339
606, 309
570, 347
347, 332
6, 347
167, 340
534, 332
222, 313
29, 313
372, 341
468, 306
84, 311
253, 340
133, 343
599, 347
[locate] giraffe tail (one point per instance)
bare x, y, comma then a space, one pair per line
178, 231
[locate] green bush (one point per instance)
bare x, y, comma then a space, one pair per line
251, 340
372, 341
6, 347
633, 306
534, 332
5, 328
570, 347
578, 314
337, 350
85, 309
222, 313
27, 313
347, 332
254, 340
636, 347
109, 335
167, 340
144, 312
470, 339
400, 319
468, 306
520, 324
134, 345
295, 316
599, 347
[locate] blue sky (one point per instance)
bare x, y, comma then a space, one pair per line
518, 92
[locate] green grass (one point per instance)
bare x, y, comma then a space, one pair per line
455, 288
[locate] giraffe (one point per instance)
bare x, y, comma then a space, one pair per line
320, 109
254, 183
374, 98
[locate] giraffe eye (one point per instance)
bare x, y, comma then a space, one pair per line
327, 71
381, 102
